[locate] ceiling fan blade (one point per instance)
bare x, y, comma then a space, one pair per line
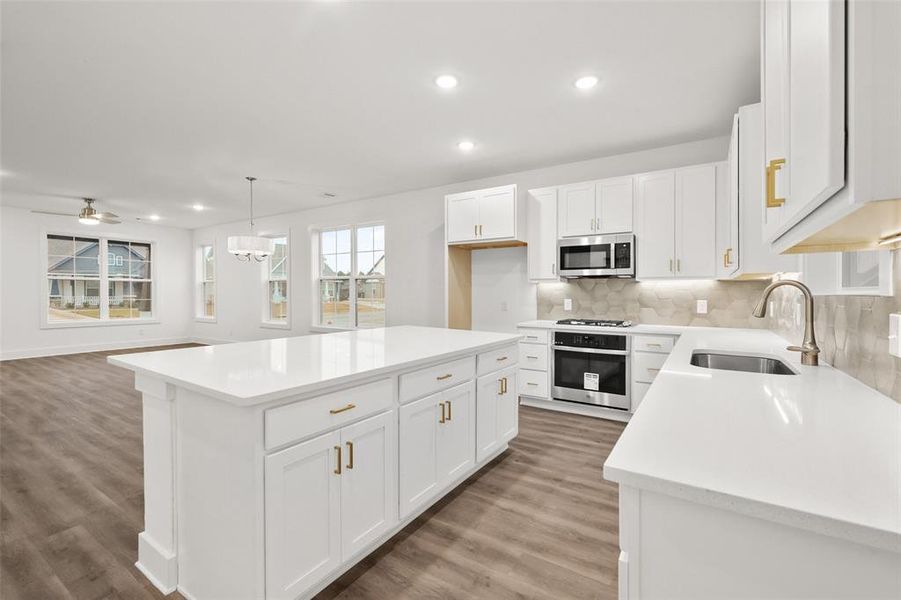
105, 218
106, 215
47, 212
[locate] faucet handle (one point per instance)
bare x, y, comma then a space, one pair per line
800, 349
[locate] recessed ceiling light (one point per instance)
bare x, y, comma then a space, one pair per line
154, 217
586, 83
466, 146
446, 82
198, 207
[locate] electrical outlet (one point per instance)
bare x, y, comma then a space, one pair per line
894, 334
702, 307
504, 306
567, 304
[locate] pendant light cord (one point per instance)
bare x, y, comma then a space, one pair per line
251, 180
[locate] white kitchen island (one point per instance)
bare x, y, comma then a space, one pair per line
271, 467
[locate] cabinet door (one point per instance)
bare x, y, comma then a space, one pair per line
654, 234
614, 205
418, 456
368, 482
497, 213
733, 180
456, 443
462, 217
696, 221
508, 407
576, 210
542, 223
488, 389
816, 116
775, 90
302, 516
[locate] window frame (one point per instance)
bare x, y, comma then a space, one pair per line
352, 279
104, 236
266, 269
199, 281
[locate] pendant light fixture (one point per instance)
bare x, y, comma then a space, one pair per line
250, 246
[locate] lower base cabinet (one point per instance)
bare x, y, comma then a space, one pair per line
436, 444
497, 411
326, 500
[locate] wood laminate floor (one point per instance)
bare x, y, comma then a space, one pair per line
538, 522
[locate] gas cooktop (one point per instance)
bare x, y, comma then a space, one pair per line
595, 322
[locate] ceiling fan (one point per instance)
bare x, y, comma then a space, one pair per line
88, 214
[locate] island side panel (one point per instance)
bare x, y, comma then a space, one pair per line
220, 496
157, 557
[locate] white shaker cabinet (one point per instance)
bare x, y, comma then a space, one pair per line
727, 210
695, 221
614, 205
655, 233
576, 210
497, 411
595, 207
491, 214
541, 208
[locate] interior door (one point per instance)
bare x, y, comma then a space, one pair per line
542, 225
696, 221
462, 217
508, 407
418, 468
488, 389
775, 88
817, 105
302, 500
614, 205
655, 233
368, 482
497, 213
456, 444
576, 210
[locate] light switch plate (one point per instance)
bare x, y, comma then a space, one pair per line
702, 307
567, 304
894, 334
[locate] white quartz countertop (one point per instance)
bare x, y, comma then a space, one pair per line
247, 373
818, 450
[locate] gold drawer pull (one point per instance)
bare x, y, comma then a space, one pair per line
445, 376
335, 411
652, 345
532, 384
443, 414
350, 455
532, 357
337, 470
653, 369
502, 358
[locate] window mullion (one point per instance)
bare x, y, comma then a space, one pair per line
104, 280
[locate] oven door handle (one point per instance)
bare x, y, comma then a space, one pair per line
592, 350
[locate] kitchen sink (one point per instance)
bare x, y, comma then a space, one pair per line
740, 362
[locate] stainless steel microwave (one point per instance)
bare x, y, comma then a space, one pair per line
597, 256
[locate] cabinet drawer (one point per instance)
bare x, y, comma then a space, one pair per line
433, 379
533, 356
497, 359
645, 366
652, 343
535, 336
532, 383
292, 422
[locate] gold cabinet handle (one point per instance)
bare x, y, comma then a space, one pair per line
480, 231
503, 358
443, 414
671, 265
771, 200
350, 455
475, 231
445, 376
335, 411
449, 415
531, 357
500, 386
531, 383
505, 385
728, 256
337, 470
726, 259
653, 369
652, 345
678, 265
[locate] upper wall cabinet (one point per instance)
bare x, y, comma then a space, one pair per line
675, 228
596, 207
831, 87
490, 215
541, 211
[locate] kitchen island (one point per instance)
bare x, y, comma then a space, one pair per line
271, 467
754, 485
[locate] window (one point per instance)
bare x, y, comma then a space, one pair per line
276, 310
860, 273
206, 269
352, 277
94, 279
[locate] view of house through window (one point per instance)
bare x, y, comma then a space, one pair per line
92, 279
207, 282
277, 282
352, 277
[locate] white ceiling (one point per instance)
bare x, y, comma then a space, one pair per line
152, 107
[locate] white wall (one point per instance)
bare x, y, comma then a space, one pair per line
502, 295
21, 291
414, 223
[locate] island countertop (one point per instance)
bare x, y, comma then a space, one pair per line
818, 450
249, 373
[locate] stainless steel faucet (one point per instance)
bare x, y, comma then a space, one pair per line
808, 349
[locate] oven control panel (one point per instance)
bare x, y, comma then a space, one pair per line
596, 341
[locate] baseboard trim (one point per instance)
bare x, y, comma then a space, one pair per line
82, 348
574, 408
157, 565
